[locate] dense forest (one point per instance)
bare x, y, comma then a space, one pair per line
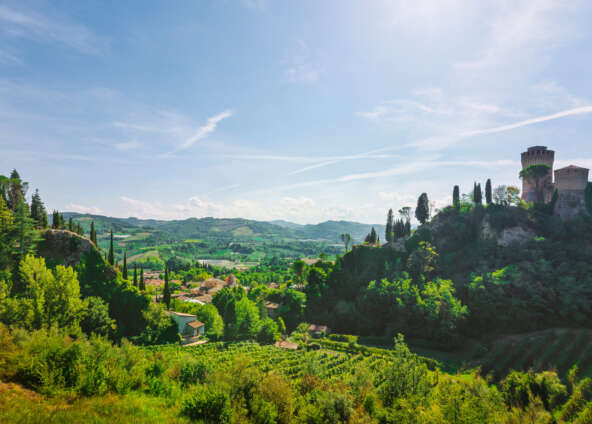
83, 336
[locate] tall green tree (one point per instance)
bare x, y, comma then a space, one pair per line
7, 239
166, 292
26, 234
588, 198
70, 224
488, 194
477, 195
422, 211
124, 272
93, 234
537, 174
389, 226
346, 239
111, 257
142, 283
38, 212
135, 275
55, 220
299, 268
16, 190
456, 197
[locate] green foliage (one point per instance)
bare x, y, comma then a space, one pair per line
193, 372
588, 198
456, 197
488, 193
422, 211
209, 405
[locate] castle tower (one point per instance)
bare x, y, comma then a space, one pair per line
571, 183
537, 155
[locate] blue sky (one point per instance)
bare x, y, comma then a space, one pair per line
305, 111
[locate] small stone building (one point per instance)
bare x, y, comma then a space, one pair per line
190, 328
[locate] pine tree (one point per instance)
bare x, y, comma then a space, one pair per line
62, 221
135, 275
488, 198
26, 235
166, 294
93, 234
456, 197
142, 283
38, 212
389, 226
16, 190
111, 257
422, 211
79, 229
124, 272
70, 224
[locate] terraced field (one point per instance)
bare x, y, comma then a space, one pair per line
325, 364
556, 349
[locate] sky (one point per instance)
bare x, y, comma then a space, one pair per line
298, 110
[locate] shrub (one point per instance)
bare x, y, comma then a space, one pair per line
193, 372
208, 404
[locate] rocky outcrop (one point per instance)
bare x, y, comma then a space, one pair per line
507, 236
65, 247
398, 245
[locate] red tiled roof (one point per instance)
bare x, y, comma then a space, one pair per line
195, 324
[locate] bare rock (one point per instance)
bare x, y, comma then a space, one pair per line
64, 247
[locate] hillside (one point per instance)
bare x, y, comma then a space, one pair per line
230, 239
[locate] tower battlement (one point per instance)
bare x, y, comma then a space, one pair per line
537, 155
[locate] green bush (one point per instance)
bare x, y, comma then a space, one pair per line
210, 405
193, 372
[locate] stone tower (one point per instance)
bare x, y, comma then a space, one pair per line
571, 183
538, 155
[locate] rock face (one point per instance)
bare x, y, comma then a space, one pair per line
64, 247
507, 236
398, 245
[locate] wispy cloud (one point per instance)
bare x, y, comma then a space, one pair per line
84, 209
301, 67
203, 131
128, 145
19, 23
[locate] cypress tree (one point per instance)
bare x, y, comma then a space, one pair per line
389, 226
477, 196
166, 294
135, 275
93, 234
422, 211
488, 197
70, 224
588, 198
124, 265
142, 283
456, 197
111, 257
55, 220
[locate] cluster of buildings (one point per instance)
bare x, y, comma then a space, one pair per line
570, 183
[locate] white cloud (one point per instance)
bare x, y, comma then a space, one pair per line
300, 209
206, 129
84, 209
519, 29
45, 28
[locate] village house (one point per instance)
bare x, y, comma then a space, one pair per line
319, 330
190, 328
272, 309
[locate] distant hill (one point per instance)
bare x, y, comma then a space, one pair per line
229, 228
